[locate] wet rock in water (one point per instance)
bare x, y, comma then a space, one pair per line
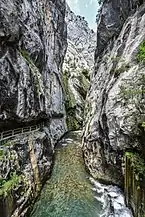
112, 200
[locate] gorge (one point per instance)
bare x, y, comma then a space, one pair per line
72, 120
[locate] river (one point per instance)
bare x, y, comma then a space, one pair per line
71, 192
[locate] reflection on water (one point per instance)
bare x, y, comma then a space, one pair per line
70, 193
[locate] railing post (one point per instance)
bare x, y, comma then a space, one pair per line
6, 134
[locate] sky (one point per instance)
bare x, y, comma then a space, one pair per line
85, 8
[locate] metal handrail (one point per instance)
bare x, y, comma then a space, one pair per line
19, 131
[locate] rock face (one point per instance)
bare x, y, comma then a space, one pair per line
32, 48
115, 101
79, 33
112, 16
78, 64
33, 44
25, 163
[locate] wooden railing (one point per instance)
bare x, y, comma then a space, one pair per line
5, 135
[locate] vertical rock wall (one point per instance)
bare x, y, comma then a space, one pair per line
33, 44
135, 183
77, 67
115, 102
32, 48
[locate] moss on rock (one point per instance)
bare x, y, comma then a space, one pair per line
34, 70
85, 72
134, 182
2, 155
6, 186
76, 84
141, 54
70, 104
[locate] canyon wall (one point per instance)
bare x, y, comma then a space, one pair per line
114, 124
77, 67
33, 43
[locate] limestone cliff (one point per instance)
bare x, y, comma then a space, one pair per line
79, 33
116, 102
33, 44
77, 67
32, 49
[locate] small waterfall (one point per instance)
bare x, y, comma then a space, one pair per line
112, 200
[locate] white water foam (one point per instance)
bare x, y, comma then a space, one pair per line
111, 199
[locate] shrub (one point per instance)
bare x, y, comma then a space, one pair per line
6, 186
122, 69
85, 72
141, 54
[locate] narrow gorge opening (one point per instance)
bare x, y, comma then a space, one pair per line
72, 102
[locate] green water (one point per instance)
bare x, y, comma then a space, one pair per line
68, 192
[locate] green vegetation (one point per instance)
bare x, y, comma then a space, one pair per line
143, 124
2, 155
116, 69
25, 54
131, 94
133, 90
85, 72
134, 182
84, 84
70, 104
9, 143
141, 54
71, 120
6, 186
138, 164
70, 99
116, 59
121, 69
